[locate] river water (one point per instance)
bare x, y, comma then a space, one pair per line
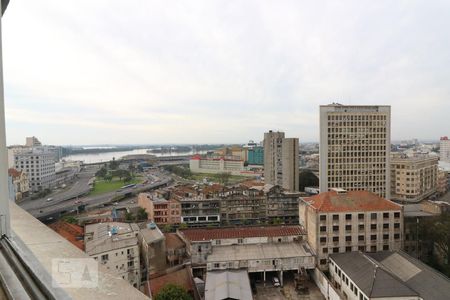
107, 156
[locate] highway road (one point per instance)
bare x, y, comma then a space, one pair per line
79, 188
54, 209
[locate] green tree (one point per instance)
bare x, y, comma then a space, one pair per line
307, 178
142, 214
113, 164
277, 221
127, 179
129, 216
437, 230
167, 228
102, 172
172, 292
224, 177
183, 226
108, 177
70, 219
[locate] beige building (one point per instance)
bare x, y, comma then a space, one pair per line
339, 221
20, 183
413, 178
160, 210
442, 186
355, 145
281, 165
153, 249
115, 246
216, 165
445, 149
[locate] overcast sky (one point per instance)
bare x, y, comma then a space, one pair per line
109, 71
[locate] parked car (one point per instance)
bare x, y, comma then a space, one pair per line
276, 282
49, 199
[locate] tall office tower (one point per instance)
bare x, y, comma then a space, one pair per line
281, 160
445, 149
355, 146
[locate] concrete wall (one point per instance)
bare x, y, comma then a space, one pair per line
325, 286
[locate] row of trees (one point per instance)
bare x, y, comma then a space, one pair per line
113, 171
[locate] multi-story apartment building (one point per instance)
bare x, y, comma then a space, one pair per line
281, 164
355, 144
115, 246
256, 155
32, 141
281, 206
413, 178
39, 165
343, 221
20, 183
153, 249
444, 150
442, 186
242, 205
160, 210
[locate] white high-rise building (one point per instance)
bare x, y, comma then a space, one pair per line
445, 149
281, 165
39, 165
355, 145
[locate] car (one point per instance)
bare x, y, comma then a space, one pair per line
276, 282
116, 203
49, 199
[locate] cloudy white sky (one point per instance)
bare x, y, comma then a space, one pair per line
109, 71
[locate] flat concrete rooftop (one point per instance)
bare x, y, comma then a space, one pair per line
259, 251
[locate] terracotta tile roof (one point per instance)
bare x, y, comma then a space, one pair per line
173, 241
70, 232
241, 232
14, 173
181, 277
252, 183
350, 201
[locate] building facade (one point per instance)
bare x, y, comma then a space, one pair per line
281, 163
256, 156
413, 178
444, 151
115, 246
216, 165
355, 145
339, 221
40, 167
160, 210
442, 187
20, 183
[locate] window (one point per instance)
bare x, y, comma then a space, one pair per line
396, 236
323, 228
216, 265
348, 227
386, 247
323, 261
323, 217
241, 241
105, 257
360, 216
373, 216
335, 217
323, 240
325, 250
373, 237
397, 215
335, 228
373, 226
385, 236
362, 248
335, 239
348, 249
218, 242
386, 226
361, 226
348, 238
348, 216
360, 238
335, 249
385, 215
373, 248
396, 225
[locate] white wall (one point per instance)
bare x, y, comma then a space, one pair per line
325, 286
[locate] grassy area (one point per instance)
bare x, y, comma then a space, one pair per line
102, 186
